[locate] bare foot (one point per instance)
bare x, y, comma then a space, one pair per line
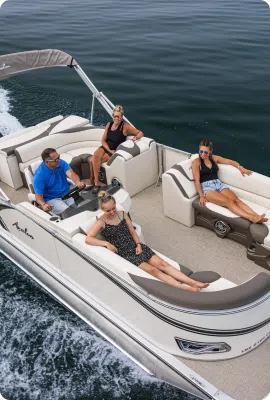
201, 285
190, 288
257, 219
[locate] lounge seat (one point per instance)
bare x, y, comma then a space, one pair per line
129, 164
116, 263
181, 203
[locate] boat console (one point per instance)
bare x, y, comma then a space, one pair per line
85, 199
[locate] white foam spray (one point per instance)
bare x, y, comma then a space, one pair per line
8, 123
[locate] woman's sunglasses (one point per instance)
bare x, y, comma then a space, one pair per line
205, 152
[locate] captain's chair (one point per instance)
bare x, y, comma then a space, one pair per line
29, 176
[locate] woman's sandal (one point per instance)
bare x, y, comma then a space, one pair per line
96, 189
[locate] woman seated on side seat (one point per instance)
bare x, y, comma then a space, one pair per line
115, 134
210, 188
121, 238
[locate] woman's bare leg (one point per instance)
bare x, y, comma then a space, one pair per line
164, 277
228, 193
97, 159
221, 200
168, 269
91, 182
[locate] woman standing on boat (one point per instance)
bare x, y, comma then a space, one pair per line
210, 188
121, 238
115, 134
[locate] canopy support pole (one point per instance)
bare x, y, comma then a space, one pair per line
92, 109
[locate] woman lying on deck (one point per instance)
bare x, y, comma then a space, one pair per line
210, 188
121, 238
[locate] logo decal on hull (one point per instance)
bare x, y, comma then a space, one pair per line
22, 230
2, 223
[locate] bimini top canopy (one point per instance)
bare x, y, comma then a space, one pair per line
16, 63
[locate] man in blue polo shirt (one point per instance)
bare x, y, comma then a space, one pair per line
50, 182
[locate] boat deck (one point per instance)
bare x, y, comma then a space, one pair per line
243, 378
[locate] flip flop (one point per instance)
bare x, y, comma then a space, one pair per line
96, 189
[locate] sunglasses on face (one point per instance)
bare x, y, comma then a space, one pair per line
55, 160
116, 116
204, 152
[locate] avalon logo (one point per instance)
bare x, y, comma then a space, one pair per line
1, 3
22, 230
4, 66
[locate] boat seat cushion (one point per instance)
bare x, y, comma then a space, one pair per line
68, 123
112, 261
205, 276
225, 299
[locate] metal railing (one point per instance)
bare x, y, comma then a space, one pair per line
103, 100
165, 160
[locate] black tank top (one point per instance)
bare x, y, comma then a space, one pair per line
208, 174
114, 138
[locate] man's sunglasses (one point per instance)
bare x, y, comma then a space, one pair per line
55, 160
205, 152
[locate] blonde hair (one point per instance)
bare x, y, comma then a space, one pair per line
118, 109
104, 197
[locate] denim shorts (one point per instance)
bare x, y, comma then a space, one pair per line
214, 185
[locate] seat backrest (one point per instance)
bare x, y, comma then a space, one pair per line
130, 149
29, 174
183, 177
87, 225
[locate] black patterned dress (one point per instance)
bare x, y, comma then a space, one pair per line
120, 237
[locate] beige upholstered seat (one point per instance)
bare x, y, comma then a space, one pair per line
181, 202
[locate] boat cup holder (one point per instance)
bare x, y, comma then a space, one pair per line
116, 182
251, 249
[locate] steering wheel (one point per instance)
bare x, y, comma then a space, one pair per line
74, 192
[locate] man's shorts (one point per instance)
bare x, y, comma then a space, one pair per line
59, 205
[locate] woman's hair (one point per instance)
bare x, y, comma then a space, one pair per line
104, 197
207, 143
118, 109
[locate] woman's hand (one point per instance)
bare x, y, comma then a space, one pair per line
202, 201
134, 138
111, 247
138, 249
244, 171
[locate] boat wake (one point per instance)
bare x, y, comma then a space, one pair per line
46, 352
8, 123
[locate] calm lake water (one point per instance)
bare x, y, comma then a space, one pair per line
183, 71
